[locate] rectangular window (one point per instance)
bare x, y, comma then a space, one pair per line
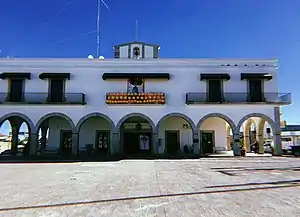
16, 90
56, 90
215, 90
255, 91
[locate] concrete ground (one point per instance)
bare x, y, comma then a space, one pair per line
257, 186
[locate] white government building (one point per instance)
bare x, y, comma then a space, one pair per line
138, 102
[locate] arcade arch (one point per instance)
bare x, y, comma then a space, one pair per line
175, 131
60, 129
216, 133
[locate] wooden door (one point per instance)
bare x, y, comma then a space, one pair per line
16, 90
255, 91
207, 142
102, 142
66, 142
56, 90
172, 142
214, 91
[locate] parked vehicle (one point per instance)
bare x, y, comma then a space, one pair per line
296, 150
268, 148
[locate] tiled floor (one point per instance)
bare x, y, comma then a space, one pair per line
260, 186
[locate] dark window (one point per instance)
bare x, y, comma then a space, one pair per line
16, 90
214, 90
56, 90
255, 91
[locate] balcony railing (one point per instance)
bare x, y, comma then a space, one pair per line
43, 98
239, 98
135, 98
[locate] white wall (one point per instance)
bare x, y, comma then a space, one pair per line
185, 135
55, 127
87, 133
220, 131
86, 77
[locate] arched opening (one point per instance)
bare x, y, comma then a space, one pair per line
258, 133
15, 132
249, 133
136, 134
95, 134
216, 133
175, 132
55, 134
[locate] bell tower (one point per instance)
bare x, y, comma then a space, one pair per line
136, 50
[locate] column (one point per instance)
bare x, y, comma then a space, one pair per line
75, 142
155, 143
260, 140
115, 143
196, 143
14, 138
246, 145
236, 145
277, 132
33, 143
44, 137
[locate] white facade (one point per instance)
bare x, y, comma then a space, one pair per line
86, 77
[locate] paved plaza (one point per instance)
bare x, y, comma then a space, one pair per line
251, 186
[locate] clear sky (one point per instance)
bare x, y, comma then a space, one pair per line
183, 28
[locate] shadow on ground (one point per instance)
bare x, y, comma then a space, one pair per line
277, 185
104, 158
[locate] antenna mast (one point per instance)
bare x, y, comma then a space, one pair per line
98, 29
136, 30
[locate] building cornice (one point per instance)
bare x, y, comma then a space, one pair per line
128, 63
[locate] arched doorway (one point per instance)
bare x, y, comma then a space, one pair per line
59, 131
258, 133
136, 134
175, 132
95, 131
216, 133
15, 130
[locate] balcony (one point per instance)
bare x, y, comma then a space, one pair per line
43, 98
135, 98
240, 98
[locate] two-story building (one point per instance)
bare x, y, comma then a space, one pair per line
138, 102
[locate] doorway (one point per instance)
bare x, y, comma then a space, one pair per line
172, 141
207, 141
255, 91
56, 90
102, 142
66, 142
214, 90
136, 142
16, 90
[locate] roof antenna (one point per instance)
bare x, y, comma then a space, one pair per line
98, 24
136, 31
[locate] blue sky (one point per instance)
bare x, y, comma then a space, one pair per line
183, 28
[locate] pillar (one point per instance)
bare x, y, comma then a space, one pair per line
196, 143
236, 145
75, 142
115, 143
15, 127
155, 143
44, 137
277, 132
33, 143
247, 144
260, 140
